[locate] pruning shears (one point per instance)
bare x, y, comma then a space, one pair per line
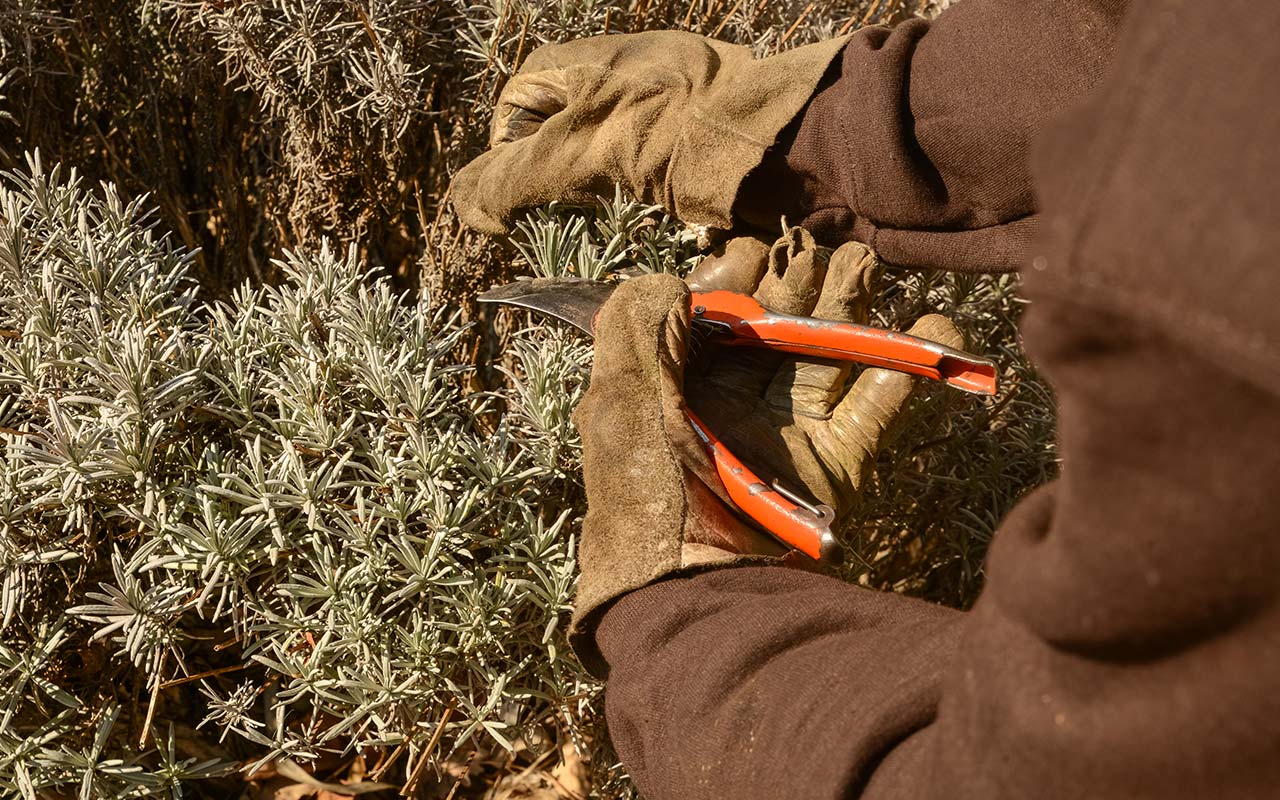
739, 320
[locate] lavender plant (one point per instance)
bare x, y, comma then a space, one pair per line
277, 522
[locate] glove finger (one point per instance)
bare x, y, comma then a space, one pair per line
811, 387
851, 285
937, 328
865, 419
736, 266
540, 154
794, 279
483, 200
807, 388
489, 193
526, 102
790, 285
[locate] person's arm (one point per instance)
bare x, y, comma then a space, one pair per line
895, 135
1126, 645
1128, 641
768, 682
917, 141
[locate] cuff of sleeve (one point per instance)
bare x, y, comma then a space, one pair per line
584, 630
735, 122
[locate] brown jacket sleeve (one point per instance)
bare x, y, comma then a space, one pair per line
764, 682
1128, 641
917, 142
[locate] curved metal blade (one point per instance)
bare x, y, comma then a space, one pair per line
574, 300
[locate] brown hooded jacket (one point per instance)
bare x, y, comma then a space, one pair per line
1128, 641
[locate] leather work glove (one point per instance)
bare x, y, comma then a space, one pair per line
655, 505
676, 118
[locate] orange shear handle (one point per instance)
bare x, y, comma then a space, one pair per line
746, 322
801, 526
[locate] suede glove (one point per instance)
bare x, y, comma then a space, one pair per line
676, 118
655, 506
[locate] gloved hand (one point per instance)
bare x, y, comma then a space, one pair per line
791, 418
676, 118
655, 505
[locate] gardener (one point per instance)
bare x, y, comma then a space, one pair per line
1128, 641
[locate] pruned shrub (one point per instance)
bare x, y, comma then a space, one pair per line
276, 522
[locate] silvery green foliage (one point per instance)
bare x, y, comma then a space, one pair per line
329, 69
593, 242
5, 116
287, 497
